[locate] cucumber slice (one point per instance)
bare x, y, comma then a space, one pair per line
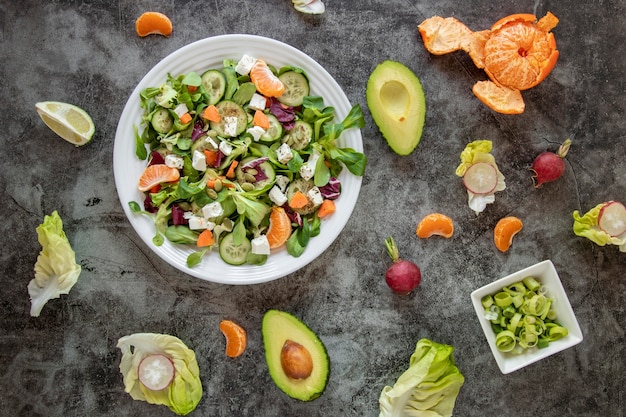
234, 254
162, 121
304, 187
234, 119
274, 132
296, 88
214, 83
299, 137
266, 167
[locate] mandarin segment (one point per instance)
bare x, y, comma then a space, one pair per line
279, 229
435, 224
157, 174
265, 81
504, 231
236, 338
153, 23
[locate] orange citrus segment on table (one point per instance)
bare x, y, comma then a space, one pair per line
435, 224
153, 23
236, 338
265, 81
279, 229
504, 231
157, 174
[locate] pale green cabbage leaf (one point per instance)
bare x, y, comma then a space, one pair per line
587, 226
428, 388
184, 393
56, 270
309, 6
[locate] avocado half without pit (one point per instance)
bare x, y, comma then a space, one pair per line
296, 358
397, 103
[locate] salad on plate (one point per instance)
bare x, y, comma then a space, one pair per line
241, 160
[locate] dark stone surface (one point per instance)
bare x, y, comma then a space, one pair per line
65, 362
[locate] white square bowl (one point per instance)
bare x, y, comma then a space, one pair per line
546, 274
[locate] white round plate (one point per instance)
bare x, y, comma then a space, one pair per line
210, 53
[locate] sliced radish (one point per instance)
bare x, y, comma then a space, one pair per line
481, 178
156, 372
612, 218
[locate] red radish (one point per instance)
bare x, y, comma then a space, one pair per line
402, 276
156, 372
612, 218
481, 178
549, 166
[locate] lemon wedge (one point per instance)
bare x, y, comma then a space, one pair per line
67, 120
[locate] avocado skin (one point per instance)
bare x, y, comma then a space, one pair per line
279, 326
397, 103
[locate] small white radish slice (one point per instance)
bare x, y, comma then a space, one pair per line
481, 178
156, 372
612, 218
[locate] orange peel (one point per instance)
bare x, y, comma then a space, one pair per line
517, 53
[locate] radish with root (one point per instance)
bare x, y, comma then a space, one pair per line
549, 166
402, 276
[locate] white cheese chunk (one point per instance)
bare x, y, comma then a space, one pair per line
198, 223
277, 196
307, 170
174, 161
198, 161
212, 210
230, 126
256, 132
283, 153
260, 245
257, 102
315, 196
282, 181
226, 148
245, 64
181, 109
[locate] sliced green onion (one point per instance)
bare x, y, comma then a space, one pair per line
505, 341
531, 283
487, 301
502, 299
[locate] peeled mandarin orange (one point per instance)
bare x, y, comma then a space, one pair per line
265, 81
153, 23
236, 338
157, 174
279, 229
435, 224
504, 231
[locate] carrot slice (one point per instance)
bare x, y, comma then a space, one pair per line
212, 114
298, 200
211, 157
231, 170
261, 120
205, 239
185, 118
327, 208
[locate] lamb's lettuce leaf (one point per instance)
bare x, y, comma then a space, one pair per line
428, 388
587, 226
56, 270
184, 393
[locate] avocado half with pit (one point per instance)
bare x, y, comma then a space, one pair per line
296, 358
397, 103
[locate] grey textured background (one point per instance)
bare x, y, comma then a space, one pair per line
65, 363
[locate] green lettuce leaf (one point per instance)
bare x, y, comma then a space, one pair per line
587, 226
184, 393
428, 388
56, 270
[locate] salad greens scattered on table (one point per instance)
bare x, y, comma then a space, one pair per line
232, 171
56, 270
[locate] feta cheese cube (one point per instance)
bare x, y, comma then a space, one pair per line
260, 245
277, 196
256, 132
181, 109
283, 153
245, 64
315, 196
257, 102
226, 148
188, 215
198, 161
307, 171
230, 126
197, 223
282, 181
212, 210
174, 161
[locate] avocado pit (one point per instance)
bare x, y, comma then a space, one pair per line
296, 360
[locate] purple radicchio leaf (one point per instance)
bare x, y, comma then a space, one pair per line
332, 190
285, 115
178, 216
198, 130
156, 158
254, 164
148, 206
293, 216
